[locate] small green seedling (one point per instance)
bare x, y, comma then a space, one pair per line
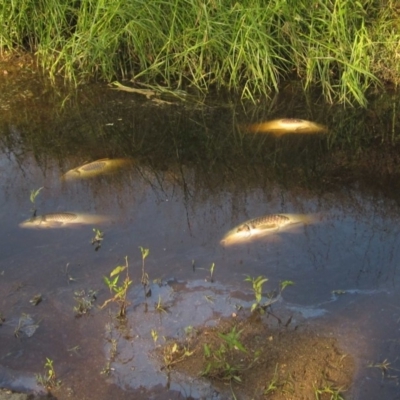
283, 285
49, 379
160, 307
232, 340
332, 392
175, 353
120, 291
212, 272
145, 276
257, 284
34, 194
272, 385
154, 335
222, 363
98, 237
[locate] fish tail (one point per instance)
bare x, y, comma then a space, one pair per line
303, 218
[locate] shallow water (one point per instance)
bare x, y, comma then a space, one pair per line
180, 207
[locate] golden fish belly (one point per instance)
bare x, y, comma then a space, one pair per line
287, 125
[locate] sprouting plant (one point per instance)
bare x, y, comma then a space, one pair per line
212, 272
335, 394
273, 383
232, 340
159, 306
154, 335
222, 363
98, 237
34, 194
175, 353
257, 284
49, 379
283, 285
190, 331
145, 276
119, 290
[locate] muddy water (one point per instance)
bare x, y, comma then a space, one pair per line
194, 176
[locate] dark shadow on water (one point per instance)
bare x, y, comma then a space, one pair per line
196, 174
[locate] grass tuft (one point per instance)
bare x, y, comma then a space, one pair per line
249, 47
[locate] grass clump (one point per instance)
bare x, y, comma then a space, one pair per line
248, 46
49, 379
120, 291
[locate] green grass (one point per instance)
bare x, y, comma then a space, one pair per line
249, 47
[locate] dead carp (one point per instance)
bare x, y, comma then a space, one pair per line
63, 220
96, 168
287, 125
262, 226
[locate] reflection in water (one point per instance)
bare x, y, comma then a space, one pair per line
287, 125
195, 176
96, 168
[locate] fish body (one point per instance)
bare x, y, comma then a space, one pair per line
96, 168
287, 125
262, 226
62, 220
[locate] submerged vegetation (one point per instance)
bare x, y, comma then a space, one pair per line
249, 46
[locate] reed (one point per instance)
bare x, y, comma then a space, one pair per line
249, 47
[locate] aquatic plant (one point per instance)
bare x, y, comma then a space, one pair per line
160, 306
120, 291
145, 277
98, 238
32, 197
257, 285
249, 47
212, 272
154, 335
49, 379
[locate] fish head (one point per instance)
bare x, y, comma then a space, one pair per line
34, 222
236, 235
71, 175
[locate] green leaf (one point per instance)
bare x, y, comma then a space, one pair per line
34, 194
207, 351
117, 270
285, 284
145, 252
